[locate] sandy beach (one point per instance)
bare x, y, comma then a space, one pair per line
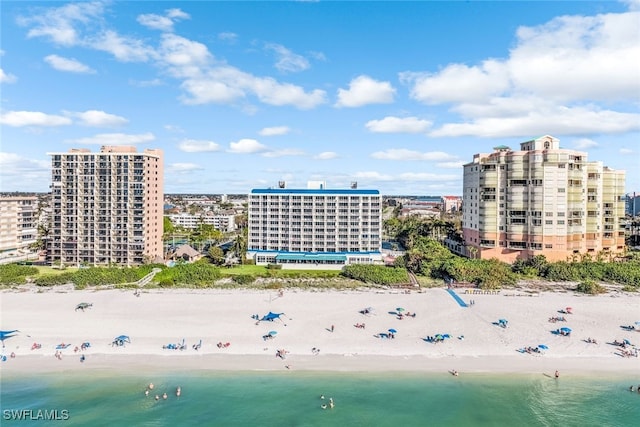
157, 318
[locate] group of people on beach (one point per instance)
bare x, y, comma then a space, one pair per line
282, 354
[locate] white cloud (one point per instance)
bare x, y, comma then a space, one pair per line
32, 118
404, 154
182, 168
283, 152
626, 151
364, 90
555, 74
162, 23
287, 60
25, 174
228, 36
198, 146
58, 23
556, 120
125, 49
326, 155
98, 118
458, 83
114, 139
246, 146
451, 165
68, 64
584, 143
7, 78
398, 125
275, 130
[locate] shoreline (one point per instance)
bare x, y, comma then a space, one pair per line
159, 317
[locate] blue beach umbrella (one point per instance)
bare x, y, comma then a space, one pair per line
393, 331
565, 329
446, 336
543, 347
273, 332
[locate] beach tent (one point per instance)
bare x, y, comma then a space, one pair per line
120, 340
270, 317
7, 334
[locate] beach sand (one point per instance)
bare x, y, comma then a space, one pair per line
160, 317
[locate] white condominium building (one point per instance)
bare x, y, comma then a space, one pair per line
224, 223
314, 228
18, 223
541, 200
106, 206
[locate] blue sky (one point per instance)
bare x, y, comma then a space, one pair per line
239, 95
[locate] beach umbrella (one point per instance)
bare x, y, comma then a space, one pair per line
393, 331
565, 329
627, 342
399, 309
439, 337
273, 332
503, 321
446, 336
638, 323
543, 347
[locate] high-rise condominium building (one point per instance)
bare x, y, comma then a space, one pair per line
315, 227
18, 223
541, 200
106, 206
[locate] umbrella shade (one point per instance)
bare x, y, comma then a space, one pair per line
638, 323
503, 321
273, 332
400, 309
543, 347
565, 329
446, 336
393, 331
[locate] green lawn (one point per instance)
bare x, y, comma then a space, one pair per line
42, 269
262, 271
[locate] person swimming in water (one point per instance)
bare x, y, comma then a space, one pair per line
164, 395
178, 391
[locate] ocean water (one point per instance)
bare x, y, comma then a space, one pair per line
292, 398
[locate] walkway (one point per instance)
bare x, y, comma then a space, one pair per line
457, 298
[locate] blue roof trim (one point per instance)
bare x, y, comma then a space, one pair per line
311, 253
311, 191
311, 257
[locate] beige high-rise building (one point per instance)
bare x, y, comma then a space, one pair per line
18, 224
107, 207
541, 200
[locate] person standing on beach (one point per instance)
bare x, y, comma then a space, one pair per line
557, 374
332, 327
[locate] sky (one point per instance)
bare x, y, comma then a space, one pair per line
396, 96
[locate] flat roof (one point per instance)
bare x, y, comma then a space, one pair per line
311, 191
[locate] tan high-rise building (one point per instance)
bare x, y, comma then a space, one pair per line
107, 207
18, 224
541, 200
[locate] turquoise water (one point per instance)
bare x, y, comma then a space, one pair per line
293, 399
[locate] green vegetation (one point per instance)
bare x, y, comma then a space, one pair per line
199, 274
590, 287
16, 274
427, 257
94, 276
378, 274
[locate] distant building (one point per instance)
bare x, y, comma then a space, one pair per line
315, 227
223, 222
106, 207
632, 204
451, 204
18, 224
541, 200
